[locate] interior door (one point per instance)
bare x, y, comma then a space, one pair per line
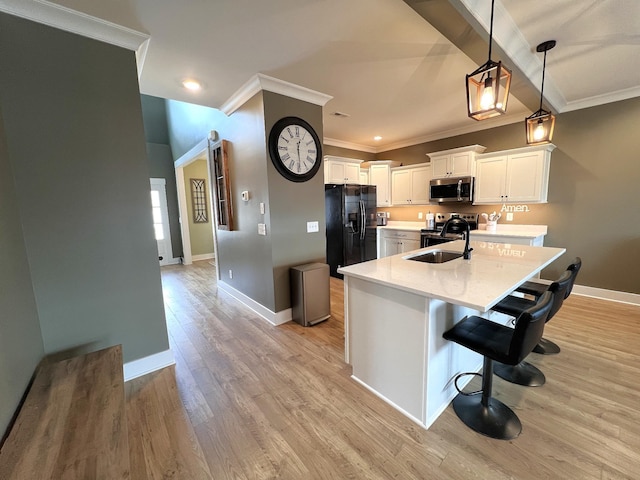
160, 214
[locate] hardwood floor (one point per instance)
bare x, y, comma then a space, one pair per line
247, 400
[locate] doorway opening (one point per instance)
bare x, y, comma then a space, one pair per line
196, 237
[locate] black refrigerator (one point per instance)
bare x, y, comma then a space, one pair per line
350, 212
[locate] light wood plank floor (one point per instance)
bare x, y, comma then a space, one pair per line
247, 400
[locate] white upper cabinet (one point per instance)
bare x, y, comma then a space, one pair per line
410, 185
457, 162
364, 176
341, 170
520, 175
380, 176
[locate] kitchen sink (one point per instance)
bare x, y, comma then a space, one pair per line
436, 256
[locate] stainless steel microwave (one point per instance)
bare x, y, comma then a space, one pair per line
452, 189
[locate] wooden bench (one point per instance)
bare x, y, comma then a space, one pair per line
72, 424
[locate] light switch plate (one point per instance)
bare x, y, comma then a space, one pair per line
261, 208
262, 229
312, 227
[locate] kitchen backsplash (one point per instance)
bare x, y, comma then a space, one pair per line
412, 213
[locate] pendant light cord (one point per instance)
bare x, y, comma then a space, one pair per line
544, 67
491, 29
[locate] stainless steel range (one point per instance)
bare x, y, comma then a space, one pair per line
428, 238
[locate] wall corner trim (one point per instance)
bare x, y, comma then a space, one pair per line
274, 318
263, 82
145, 365
73, 21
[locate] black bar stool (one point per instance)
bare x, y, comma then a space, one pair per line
524, 373
547, 347
483, 413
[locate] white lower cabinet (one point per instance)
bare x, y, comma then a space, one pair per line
393, 242
513, 176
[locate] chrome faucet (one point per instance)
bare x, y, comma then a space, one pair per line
457, 220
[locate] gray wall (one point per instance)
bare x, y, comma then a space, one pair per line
260, 264
348, 153
293, 204
593, 190
74, 131
161, 166
20, 337
154, 116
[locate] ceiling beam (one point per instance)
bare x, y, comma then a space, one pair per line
453, 20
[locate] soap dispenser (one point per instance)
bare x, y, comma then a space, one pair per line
430, 221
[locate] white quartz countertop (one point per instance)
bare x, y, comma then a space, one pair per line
521, 231
479, 283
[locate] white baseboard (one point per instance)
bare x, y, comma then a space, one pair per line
142, 366
173, 261
203, 256
274, 318
603, 294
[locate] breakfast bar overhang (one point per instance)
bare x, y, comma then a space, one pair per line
396, 311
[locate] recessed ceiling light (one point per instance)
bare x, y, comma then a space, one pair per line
377, 138
191, 84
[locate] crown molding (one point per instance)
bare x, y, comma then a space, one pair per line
475, 127
63, 18
349, 145
596, 100
264, 82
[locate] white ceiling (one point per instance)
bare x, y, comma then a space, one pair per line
384, 65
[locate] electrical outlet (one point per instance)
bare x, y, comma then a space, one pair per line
312, 227
262, 229
509, 216
419, 215
388, 214
230, 273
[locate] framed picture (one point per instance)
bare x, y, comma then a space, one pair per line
199, 200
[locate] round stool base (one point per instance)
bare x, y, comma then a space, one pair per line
546, 347
495, 420
521, 374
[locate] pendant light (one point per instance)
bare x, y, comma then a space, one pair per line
540, 125
488, 86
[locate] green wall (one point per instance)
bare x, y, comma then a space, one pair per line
76, 146
201, 233
20, 337
593, 190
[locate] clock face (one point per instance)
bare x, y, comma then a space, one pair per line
295, 149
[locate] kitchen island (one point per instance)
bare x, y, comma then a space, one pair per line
396, 311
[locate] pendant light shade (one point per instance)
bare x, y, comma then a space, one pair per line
488, 86
540, 124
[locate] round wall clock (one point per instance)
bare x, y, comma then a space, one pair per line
295, 149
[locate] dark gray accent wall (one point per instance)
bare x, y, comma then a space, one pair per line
260, 264
20, 338
593, 190
293, 204
75, 138
154, 116
161, 166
